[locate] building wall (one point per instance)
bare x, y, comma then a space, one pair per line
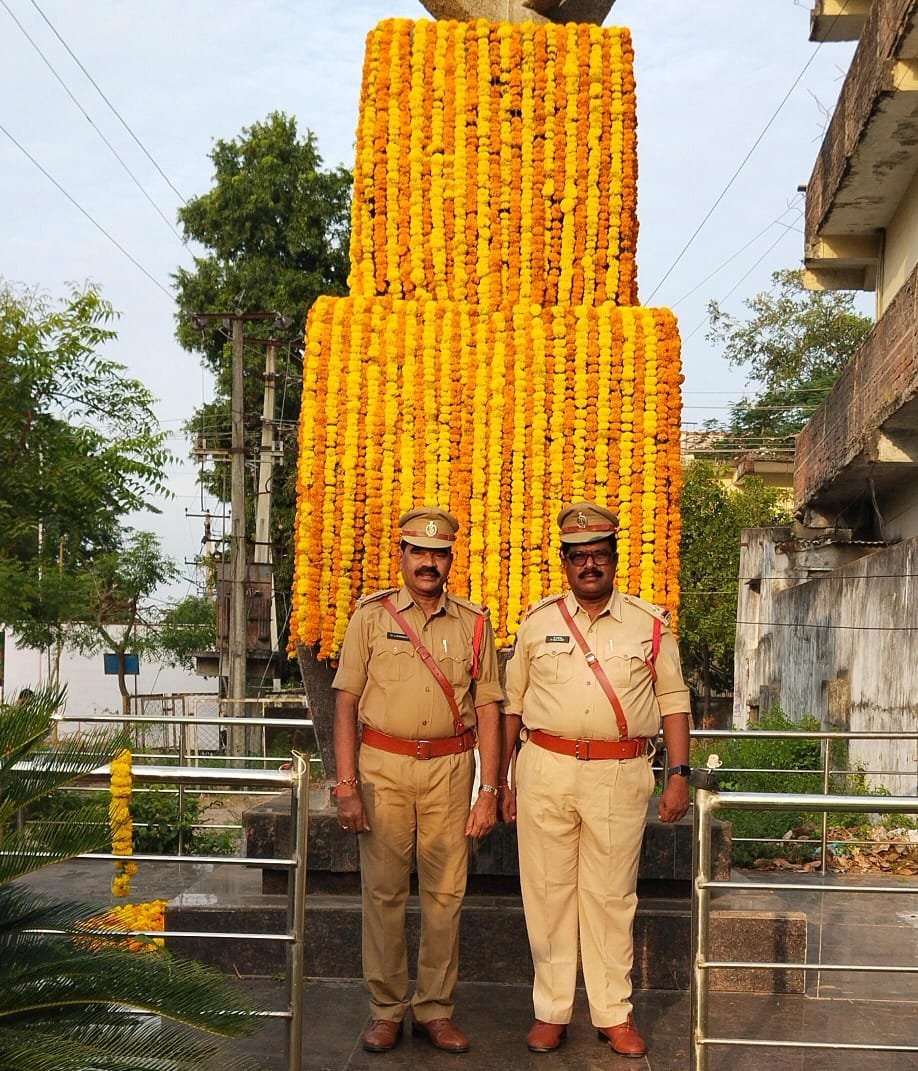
833, 641
900, 251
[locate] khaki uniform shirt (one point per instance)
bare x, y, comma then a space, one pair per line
398, 693
550, 684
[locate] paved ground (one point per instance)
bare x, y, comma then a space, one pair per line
840, 1007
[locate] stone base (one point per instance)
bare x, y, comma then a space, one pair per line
493, 941
666, 856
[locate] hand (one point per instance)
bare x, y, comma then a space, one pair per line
507, 803
483, 815
351, 816
675, 799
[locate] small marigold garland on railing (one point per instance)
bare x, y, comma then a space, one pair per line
145, 917
119, 813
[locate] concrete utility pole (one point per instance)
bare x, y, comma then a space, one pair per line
264, 550
240, 742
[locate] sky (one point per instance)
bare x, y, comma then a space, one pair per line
732, 97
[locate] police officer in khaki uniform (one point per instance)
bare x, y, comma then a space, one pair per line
593, 673
418, 671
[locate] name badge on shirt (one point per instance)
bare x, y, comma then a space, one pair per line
557, 639
396, 636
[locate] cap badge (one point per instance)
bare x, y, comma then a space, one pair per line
431, 528
581, 519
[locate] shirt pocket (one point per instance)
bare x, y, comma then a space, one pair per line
456, 668
625, 665
393, 661
554, 663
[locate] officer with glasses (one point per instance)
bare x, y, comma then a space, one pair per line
593, 674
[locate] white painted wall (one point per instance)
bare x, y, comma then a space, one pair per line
900, 249
89, 690
851, 622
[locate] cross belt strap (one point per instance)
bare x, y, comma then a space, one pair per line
598, 671
419, 749
431, 664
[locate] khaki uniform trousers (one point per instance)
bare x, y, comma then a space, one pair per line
580, 826
414, 806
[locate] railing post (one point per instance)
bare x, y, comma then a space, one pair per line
296, 961
824, 845
705, 794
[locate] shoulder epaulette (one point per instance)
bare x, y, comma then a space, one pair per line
547, 601
660, 612
375, 596
475, 607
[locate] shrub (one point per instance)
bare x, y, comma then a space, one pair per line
782, 765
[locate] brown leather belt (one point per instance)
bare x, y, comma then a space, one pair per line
590, 749
420, 749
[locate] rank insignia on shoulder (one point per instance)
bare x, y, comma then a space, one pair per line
557, 639
547, 601
375, 596
475, 607
649, 608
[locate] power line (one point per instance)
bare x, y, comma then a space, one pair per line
114, 110
111, 148
733, 256
736, 173
81, 209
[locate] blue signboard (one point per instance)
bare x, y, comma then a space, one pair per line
131, 663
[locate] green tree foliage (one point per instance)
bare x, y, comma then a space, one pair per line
117, 613
276, 230
66, 1003
713, 517
185, 627
794, 343
80, 447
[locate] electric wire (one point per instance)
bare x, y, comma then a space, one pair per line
91, 219
111, 148
114, 110
738, 170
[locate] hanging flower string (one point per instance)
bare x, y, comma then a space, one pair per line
491, 357
119, 813
547, 392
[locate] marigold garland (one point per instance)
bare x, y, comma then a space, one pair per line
148, 916
458, 125
119, 815
537, 385
491, 357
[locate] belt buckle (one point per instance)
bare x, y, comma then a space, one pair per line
582, 748
423, 750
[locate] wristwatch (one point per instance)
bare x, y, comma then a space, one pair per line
680, 771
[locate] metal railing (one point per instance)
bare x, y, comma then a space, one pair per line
296, 780
826, 770
707, 802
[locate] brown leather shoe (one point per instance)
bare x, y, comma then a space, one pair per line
443, 1034
382, 1035
623, 1039
545, 1037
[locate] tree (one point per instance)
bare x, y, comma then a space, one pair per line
276, 227
185, 627
116, 614
795, 343
80, 447
67, 1002
713, 518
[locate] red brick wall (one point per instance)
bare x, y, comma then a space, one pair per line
867, 78
881, 377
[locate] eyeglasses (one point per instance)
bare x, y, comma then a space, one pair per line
581, 557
